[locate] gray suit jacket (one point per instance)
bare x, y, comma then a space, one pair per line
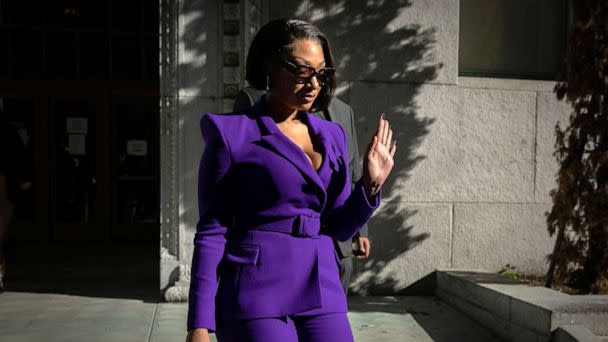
339, 112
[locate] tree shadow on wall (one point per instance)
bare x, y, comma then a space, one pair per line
384, 63
381, 66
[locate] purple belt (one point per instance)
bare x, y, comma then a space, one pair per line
300, 225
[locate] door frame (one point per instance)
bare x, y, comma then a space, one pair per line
44, 94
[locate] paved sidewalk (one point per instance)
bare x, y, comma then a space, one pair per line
94, 292
29, 316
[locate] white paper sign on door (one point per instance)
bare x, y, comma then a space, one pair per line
137, 148
77, 144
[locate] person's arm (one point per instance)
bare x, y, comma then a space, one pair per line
214, 218
352, 208
355, 163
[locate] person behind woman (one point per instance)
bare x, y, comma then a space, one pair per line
274, 190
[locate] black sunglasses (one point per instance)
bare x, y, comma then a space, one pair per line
304, 73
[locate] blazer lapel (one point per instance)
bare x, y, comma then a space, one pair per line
327, 115
330, 150
283, 146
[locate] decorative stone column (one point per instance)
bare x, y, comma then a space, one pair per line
169, 215
240, 20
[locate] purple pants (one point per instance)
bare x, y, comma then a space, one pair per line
332, 327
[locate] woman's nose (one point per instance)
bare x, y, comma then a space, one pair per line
314, 82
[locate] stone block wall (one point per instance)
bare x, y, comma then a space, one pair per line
474, 163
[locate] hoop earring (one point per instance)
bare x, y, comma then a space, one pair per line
267, 82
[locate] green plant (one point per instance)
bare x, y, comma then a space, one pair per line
509, 271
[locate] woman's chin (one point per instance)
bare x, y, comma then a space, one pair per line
304, 107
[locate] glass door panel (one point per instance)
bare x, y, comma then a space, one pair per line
135, 165
17, 121
75, 151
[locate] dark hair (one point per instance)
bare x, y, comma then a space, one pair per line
274, 39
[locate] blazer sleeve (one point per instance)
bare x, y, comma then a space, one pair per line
351, 209
210, 236
355, 162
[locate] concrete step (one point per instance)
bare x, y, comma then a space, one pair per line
575, 333
517, 311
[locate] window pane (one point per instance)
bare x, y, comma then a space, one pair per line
126, 15
61, 55
75, 160
26, 13
27, 54
63, 13
17, 121
93, 56
3, 16
4, 37
151, 16
136, 127
136, 161
138, 202
93, 13
126, 59
512, 38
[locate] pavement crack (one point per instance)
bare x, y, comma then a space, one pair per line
152, 323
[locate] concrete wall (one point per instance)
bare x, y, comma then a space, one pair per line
474, 162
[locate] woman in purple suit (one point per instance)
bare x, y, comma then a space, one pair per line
274, 190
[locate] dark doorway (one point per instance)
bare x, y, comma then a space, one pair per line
79, 82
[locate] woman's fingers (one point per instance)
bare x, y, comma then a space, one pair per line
380, 124
372, 148
365, 244
382, 129
379, 132
385, 131
384, 136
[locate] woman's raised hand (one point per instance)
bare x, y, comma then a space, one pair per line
378, 161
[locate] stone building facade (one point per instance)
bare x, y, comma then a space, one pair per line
474, 124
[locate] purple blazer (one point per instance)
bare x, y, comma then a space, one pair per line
263, 243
